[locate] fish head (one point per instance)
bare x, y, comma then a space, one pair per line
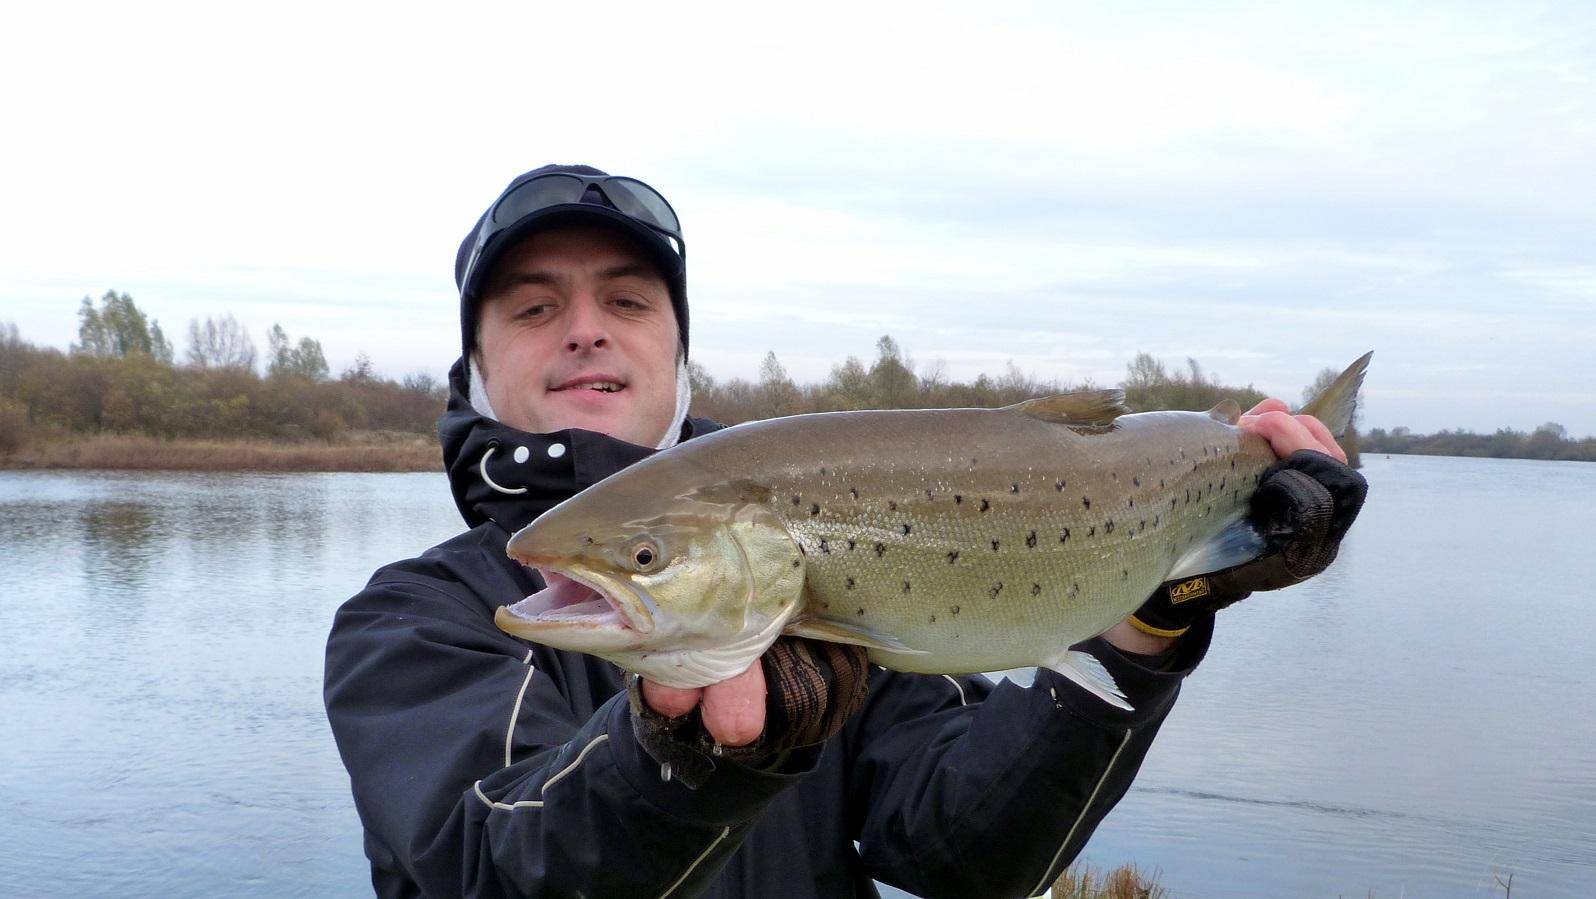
679, 586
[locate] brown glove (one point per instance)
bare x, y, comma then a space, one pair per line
812, 688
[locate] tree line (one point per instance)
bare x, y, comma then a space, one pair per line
123, 376
1549, 441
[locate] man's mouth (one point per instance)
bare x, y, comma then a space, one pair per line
601, 383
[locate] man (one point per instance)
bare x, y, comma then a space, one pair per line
484, 765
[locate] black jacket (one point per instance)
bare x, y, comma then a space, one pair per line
488, 766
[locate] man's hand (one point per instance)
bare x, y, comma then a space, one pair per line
800, 693
1303, 507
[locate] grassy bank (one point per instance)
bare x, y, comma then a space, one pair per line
136, 452
1125, 882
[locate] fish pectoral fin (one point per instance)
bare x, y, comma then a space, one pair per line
1084, 669
1236, 543
1082, 408
846, 632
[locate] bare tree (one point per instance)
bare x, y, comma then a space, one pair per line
220, 343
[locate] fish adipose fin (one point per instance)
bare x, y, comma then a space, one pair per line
847, 632
1083, 408
1236, 543
1228, 411
1335, 404
1084, 669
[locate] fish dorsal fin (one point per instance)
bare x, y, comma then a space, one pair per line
1228, 411
1081, 408
846, 632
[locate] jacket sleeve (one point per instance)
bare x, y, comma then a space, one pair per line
473, 776
949, 776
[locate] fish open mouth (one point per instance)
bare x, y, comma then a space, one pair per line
567, 602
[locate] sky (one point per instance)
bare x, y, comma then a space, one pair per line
1269, 188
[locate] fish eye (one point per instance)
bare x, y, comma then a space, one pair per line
645, 555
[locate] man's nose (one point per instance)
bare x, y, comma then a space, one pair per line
585, 328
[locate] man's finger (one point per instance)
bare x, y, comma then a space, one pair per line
1285, 434
734, 710
672, 702
1269, 405
1323, 435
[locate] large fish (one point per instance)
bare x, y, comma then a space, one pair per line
946, 540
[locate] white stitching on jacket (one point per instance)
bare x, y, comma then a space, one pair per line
515, 711
538, 803
696, 862
957, 686
1037, 890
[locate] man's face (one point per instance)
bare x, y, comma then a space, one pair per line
577, 331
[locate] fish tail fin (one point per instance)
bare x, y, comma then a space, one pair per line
1085, 670
1335, 404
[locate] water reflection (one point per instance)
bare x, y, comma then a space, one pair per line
1417, 720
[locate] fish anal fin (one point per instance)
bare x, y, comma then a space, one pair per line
1082, 408
847, 632
1228, 411
1084, 669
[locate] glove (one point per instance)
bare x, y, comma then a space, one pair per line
811, 689
1302, 508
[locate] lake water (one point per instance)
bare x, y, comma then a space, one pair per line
1417, 721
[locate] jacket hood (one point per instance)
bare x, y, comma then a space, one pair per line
508, 476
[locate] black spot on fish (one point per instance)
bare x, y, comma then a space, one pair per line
1064, 537
953, 557
1036, 589
974, 462
1124, 574
1130, 503
861, 611
906, 530
1172, 502
795, 499
1059, 485
1075, 589
930, 495
892, 505
997, 588
1221, 483
994, 545
1160, 483
822, 472
954, 610
958, 499
814, 508
854, 491
906, 586
588, 540
1232, 464
1086, 501
1157, 519
1136, 481
848, 583
1114, 475
824, 546
881, 550
1014, 488
1091, 531
984, 504
1141, 525
850, 546
796, 562
933, 619
1030, 540
1109, 527
825, 605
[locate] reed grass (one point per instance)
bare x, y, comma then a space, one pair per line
1125, 882
408, 452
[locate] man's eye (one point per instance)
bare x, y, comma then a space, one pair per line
534, 311
630, 303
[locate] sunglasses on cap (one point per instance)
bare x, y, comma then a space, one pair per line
628, 196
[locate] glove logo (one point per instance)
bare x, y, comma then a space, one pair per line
1196, 588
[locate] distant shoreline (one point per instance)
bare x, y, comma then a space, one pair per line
140, 453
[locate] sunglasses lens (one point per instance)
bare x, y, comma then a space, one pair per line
640, 201
538, 193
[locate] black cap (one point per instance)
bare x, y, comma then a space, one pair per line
593, 208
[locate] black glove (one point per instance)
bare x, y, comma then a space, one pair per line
1302, 508
811, 689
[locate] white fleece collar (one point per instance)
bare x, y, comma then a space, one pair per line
684, 399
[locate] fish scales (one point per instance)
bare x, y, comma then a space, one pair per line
980, 531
